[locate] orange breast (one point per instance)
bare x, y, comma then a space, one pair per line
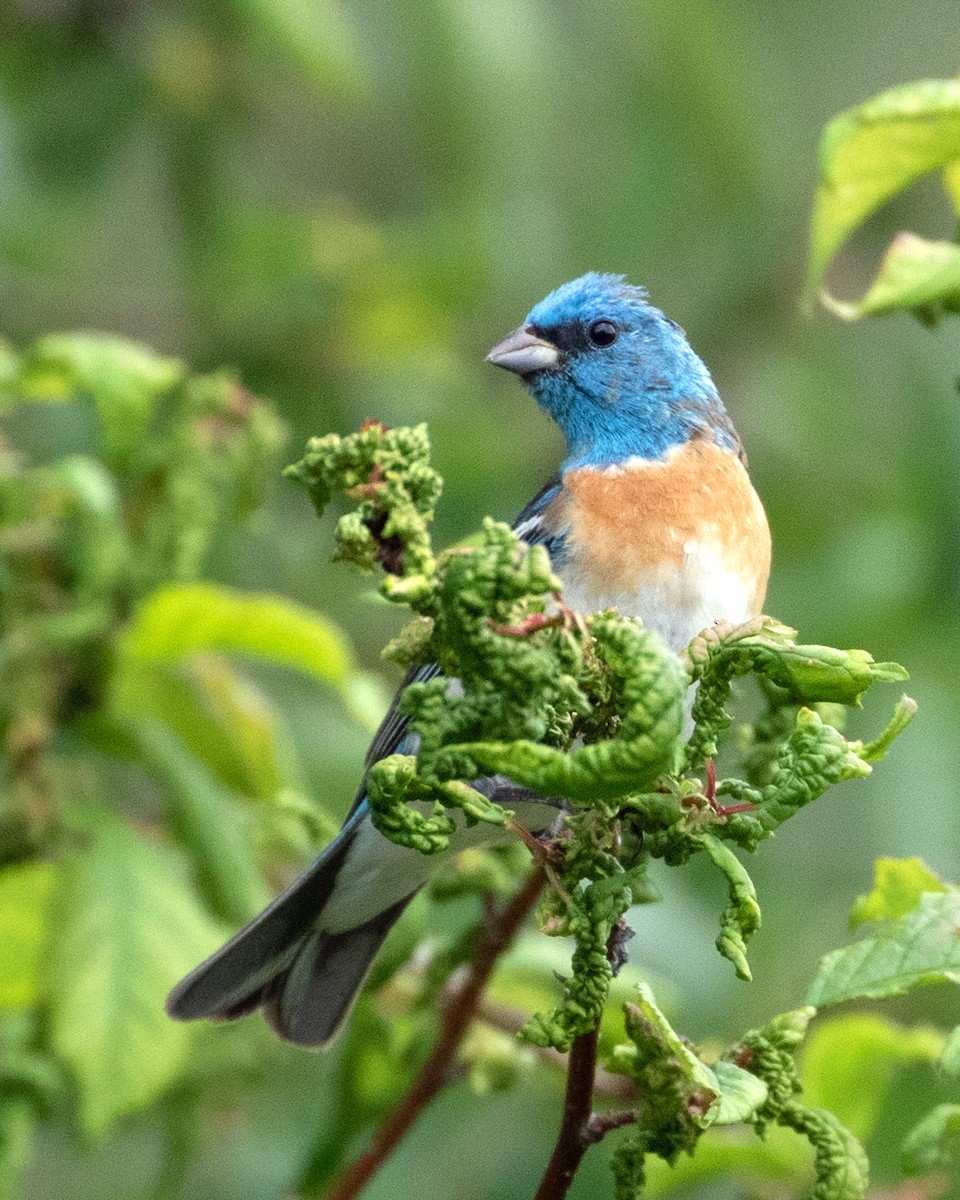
646, 523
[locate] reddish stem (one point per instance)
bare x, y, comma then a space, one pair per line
580, 1127
496, 934
710, 794
574, 1136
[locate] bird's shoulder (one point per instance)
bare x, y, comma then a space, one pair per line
534, 524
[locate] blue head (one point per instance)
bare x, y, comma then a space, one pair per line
616, 375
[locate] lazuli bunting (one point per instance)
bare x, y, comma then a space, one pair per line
652, 512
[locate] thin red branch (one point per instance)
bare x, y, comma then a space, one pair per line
580, 1127
600, 1124
574, 1136
496, 934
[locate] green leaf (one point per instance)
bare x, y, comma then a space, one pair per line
180, 619
741, 916
812, 759
916, 275
129, 929
125, 380
740, 1094
898, 884
656, 1045
850, 1062
921, 947
653, 688
25, 893
951, 183
870, 153
823, 674
17, 1119
877, 749
209, 822
934, 1142
29, 1082
840, 1162
220, 716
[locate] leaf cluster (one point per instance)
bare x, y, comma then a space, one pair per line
147, 782
512, 658
868, 155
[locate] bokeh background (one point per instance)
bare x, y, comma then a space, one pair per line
350, 203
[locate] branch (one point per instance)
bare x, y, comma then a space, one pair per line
496, 934
580, 1127
573, 1138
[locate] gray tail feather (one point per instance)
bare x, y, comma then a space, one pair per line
308, 1002
304, 978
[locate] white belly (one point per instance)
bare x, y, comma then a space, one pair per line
677, 602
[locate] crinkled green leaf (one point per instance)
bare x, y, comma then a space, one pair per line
388, 472
898, 884
920, 947
934, 1142
840, 1162
915, 275
129, 928
526, 981
405, 808
808, 674
850, 1062
682, 1096
741, 917
822, 674
181, 619
873, 151
653, 694
740, 1094
25, 893
813, 758
655, 1046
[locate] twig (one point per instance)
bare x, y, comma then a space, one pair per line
496, 934
573, 1138
580, 1127
600, 1124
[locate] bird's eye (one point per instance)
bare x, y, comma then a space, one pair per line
603, 333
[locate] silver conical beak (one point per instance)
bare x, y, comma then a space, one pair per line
523, 353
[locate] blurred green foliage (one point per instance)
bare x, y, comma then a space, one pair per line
867, 156
350, 204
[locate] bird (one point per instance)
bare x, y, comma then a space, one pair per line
652, 512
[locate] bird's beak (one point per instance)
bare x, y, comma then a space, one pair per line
523, 352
